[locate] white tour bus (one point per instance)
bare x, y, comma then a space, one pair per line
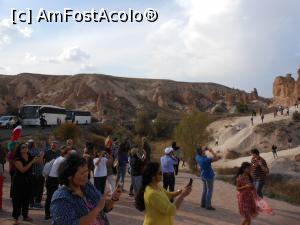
52, 115
79, 117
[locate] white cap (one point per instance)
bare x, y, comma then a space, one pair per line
168, 150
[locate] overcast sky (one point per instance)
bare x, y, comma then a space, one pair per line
238, 43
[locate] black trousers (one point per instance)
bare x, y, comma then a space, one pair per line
11, 173
51, 186
38, 188
176, 167
169, 181
99, 183
20, 203
21, 194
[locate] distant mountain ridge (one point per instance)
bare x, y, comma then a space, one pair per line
116, 97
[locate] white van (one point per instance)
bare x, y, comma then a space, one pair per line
8, 121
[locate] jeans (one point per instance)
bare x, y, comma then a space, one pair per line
136, 183
121, 174
208, 186
111, 183
259, 184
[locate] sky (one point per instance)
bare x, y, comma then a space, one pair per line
242, 44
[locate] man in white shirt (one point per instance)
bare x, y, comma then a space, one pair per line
52, 179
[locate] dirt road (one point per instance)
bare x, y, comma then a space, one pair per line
224, 200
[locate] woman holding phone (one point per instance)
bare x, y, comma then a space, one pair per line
155, 200
22, 182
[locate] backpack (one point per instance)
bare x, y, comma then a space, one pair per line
47, 168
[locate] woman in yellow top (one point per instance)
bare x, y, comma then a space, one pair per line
155, 200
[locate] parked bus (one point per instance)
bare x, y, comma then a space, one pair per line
51, 115
79, 117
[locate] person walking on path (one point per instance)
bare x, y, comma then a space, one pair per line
252, 121
290, 140
274, 151
246, 194
262, 118
207, 175
155, 200
259, 171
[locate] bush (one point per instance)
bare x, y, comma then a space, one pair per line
230, 154
296, 116
142, 124
297, 158
162, 125
66, 131
96, 140
101, 129
226, 170
242, 107
191, 132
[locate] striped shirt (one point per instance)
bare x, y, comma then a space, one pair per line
257, 171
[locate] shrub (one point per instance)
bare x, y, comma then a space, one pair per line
142, 124
66, 131
297, 158
296, 116
226, 170
191, 132
242, 107
96, 140
101, 129
230, 154
162, 125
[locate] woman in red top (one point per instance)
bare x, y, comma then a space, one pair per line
246, 194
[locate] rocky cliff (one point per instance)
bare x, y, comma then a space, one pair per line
286, 90
108, 96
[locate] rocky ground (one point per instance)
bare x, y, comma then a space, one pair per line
224, 200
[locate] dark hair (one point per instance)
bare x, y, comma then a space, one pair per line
18, 148
151, 170
254, 151
199, 150
174, 145
241, 170
69, 167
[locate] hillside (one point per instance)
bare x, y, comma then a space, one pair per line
116, 97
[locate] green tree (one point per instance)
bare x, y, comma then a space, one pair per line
142, 124
190, 133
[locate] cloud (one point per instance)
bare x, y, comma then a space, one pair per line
71, 54
4, 69
10, 32
87, 67
30, 58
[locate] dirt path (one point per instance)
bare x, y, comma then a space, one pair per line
224, 200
